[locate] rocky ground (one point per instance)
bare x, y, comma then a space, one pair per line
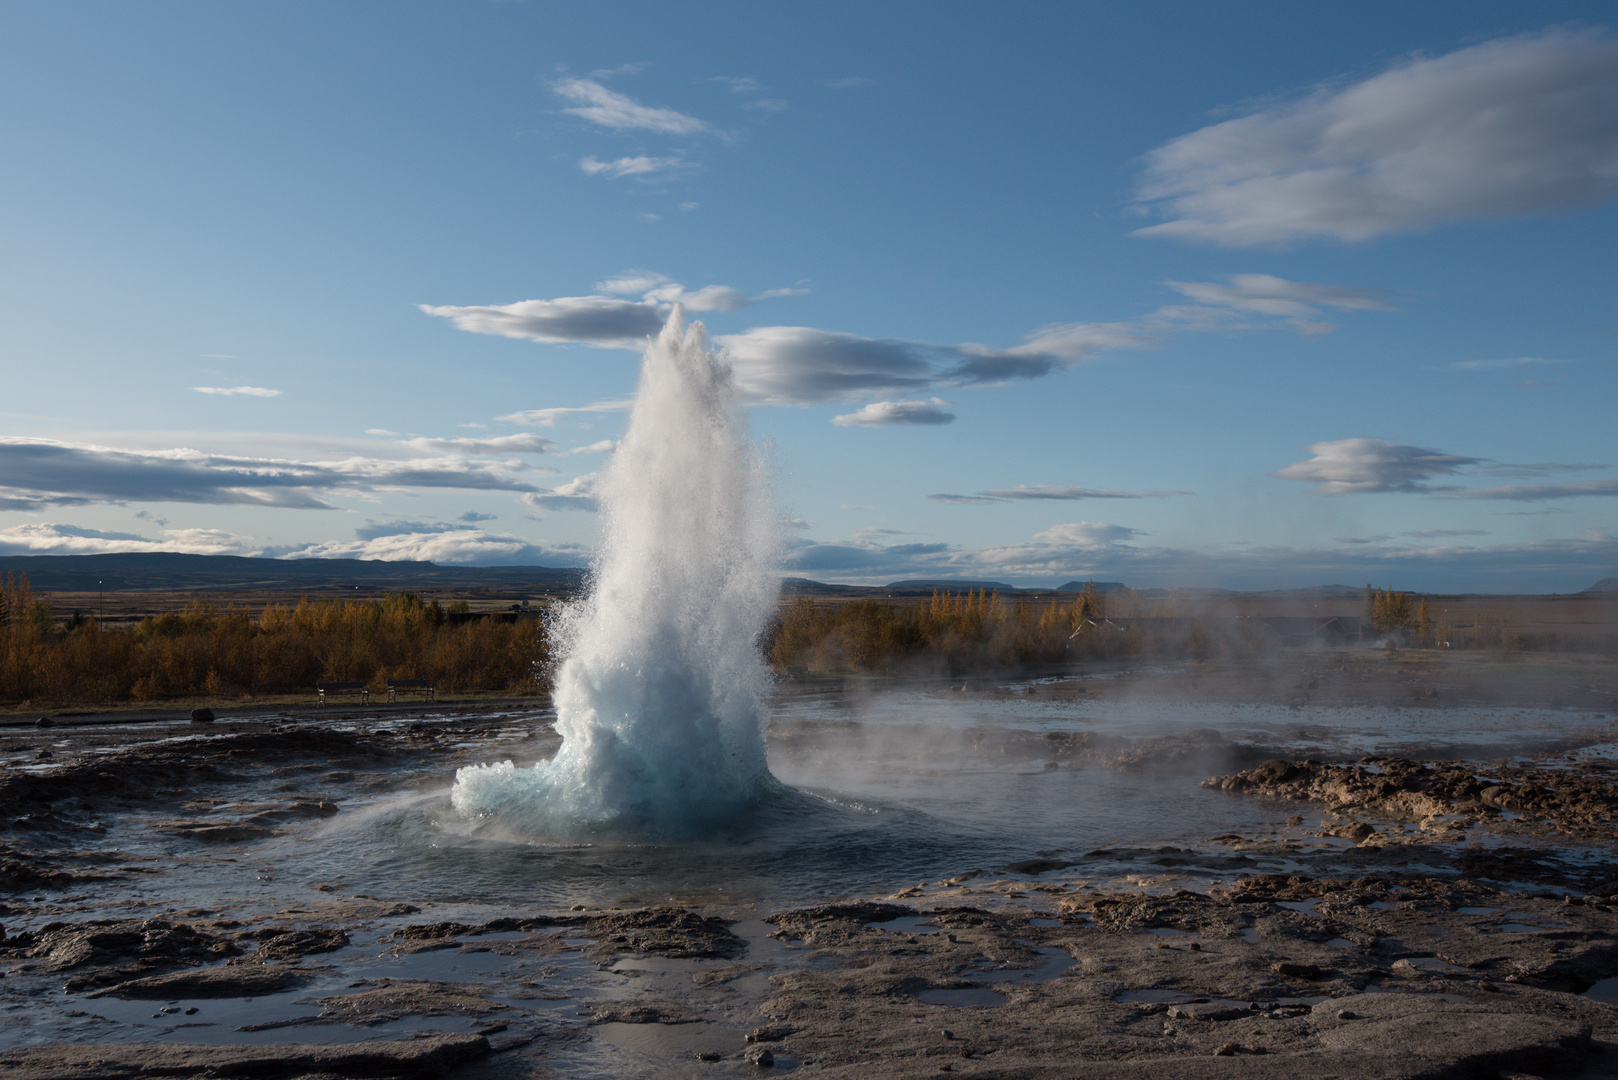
1392, 955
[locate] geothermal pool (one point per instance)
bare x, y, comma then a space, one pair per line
881, 791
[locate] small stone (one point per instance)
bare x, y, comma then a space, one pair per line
1227, 1049
1295, 819
192, 1011
948, 1034
578, 907
1296, 971
760, 1056
1195, 946
44, 721
1347, 1014
202, 716
1488, 988
707, 1055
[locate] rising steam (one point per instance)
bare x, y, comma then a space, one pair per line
658, 697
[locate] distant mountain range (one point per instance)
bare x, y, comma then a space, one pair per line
178, 573
175, 572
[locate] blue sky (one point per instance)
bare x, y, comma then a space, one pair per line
1243, 295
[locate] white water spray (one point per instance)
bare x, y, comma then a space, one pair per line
659, 697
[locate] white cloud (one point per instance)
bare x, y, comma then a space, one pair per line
603, 321
610, 109
741, 85
605, 446
46, 538
648, 217
455, 546
1057, 492
707, 298
768, 105
888, 413
577, 494
381, 431
1361, 466
523, 443
632, 282
641, 165
549, 417
1297, 302
801, 364
1514, 126
237, 391
39, 472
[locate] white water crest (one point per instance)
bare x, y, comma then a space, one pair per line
659, 693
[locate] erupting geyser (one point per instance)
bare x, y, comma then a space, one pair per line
659, 695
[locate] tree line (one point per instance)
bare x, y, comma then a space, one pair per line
207, 651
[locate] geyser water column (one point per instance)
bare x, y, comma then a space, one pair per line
659, 693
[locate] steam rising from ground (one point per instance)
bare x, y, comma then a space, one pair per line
658, 698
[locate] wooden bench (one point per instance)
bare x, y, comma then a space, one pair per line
417, 686
324, 688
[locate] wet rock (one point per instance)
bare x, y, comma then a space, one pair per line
103, 952
661, 931
617, 1012
229, 981
389, 1001
202, 716
44, 721
760, 1056
283, 944
215, 832
1209, 1011
430, 1055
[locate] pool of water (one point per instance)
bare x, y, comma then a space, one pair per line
879, 791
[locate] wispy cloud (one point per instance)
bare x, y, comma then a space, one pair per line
1363, 466
237, 391
610, 109
887, 413
605, 446
1430, 534
462, 546
1577, 489
640, 165
524, 443
806, 365
737, 85
35, 473
549, 417
1514, 363
1296, 302
605, 321
847, 82
1514, 126
1057, 492
50, 538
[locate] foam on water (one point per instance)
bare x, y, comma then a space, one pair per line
659, 694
